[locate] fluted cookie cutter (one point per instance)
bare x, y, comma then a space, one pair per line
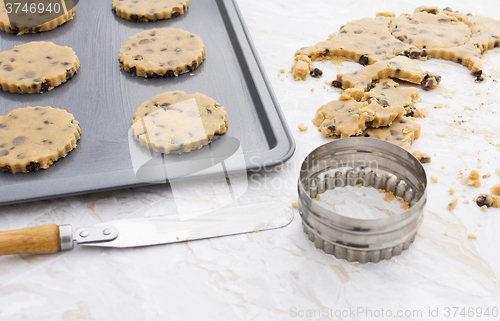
370, 162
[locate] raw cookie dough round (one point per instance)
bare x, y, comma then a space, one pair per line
177, 122
33, 138
36, 66
145, 10
6, 26
161, 52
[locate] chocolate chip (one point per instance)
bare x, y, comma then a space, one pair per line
423, 54
316, 73
19, 140
138, 57
337, 84
6, 169
132, 70
4, 152
152, 34
32, 166
144, 42
7, 68
37, 80
3, 125
193, 66
428, 83
163, 49
326, 52
448, 9
47, 142
165, 106
459, 60
12, 59
170, 73
357, 32
46, 122
177, 50
383, 103
497, 44
364, 60
45, 85
20, 156
49, 57
443, 21
175, 14
482, 200
134, 17
414, 55
69, 74
394, 132
148, 51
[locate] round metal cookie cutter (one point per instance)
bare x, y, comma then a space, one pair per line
370, 162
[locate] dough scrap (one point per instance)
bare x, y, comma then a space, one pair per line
148, 10
33, 138
403, 131
427, 33
177, 122
161, 52
7, 27
357, 82
35, 67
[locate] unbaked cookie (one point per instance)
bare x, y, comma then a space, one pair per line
43, 25
32, 138
146, 10
162, 52
36, 66
177, 122
344, 118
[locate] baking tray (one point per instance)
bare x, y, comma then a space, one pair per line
103, 99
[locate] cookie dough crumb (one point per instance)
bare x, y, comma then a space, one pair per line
281, 168
495, 190
282, 70
364, 194
404, 205
445, 234
389, 196
302, 67
294, 205
466, 202
318, 198
434, 179
421, 113
422, 157
486, 175
488, 201
451, 191
302, 127
452, 204
484, 208
359, 185
472, 179
312, 89
498, 171
472, 236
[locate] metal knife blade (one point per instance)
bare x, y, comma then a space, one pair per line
169, 229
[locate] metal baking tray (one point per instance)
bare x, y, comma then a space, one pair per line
103, 99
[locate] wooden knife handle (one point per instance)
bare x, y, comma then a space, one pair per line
43, 239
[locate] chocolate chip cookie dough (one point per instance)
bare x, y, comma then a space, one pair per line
403, 131
146, 10
35, 67
427, 33
161, 52
7, 27
33, 138
177, 122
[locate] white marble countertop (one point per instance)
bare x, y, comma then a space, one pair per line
279, 274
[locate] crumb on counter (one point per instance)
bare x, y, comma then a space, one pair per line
453, 204
434, 179
495, 190
445, 234
452, 191
422, 157
282, 70
318, 198
421, 113
487, 175
466, 202
389, 196
498, 171
484, 208
302, 127
472, 236
472, 179
312, 89
294, 205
